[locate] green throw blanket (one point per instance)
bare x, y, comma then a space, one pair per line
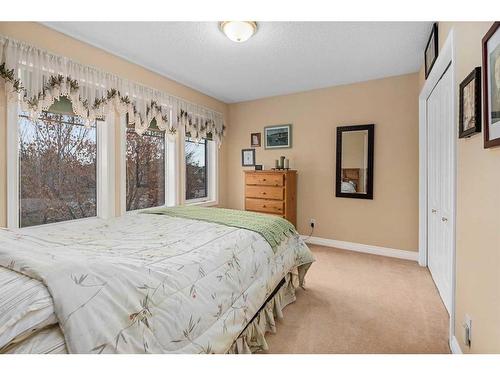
273, 228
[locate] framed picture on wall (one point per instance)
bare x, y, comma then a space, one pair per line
255, 140
470, 104
431, 50
248, 157
491, 86
278, 136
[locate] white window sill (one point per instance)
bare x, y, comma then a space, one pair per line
91, 219
139, 210
202, 203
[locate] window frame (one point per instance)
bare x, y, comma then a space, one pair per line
108, 149
212, 162
207, 177
175, 171
169, 167
105, 184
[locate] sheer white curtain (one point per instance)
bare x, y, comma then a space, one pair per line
43, 77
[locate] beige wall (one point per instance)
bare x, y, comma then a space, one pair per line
478, 212
58, 43
391, 218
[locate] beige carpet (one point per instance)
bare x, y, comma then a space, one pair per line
361, 303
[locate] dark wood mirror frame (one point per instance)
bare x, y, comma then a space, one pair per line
370, 164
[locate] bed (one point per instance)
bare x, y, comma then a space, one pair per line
144, 283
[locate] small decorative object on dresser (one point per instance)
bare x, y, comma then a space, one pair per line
431, 50
281, 164
491, 86
248, 157
470, 104
255, 140
286, 164
272, 192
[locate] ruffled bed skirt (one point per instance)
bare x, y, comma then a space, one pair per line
252, 339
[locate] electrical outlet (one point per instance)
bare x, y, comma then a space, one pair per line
312, 223
467, 325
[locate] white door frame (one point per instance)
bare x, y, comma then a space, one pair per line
446, 59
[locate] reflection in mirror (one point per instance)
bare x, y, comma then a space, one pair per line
355, 161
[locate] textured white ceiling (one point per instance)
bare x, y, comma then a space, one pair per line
281, 58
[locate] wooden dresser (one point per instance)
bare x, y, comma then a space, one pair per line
272, 192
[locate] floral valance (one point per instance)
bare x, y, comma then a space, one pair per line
36, 78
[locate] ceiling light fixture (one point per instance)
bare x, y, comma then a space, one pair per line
238, 31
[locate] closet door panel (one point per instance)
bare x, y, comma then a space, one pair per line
447, 139
440, 186
433, 181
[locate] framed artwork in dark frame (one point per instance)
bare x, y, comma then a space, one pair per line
431, 50
491, 86
470, 105
248, 157
362, 186
255, 140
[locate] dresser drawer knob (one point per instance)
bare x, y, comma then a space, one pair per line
264, 179
264, 206
263, 193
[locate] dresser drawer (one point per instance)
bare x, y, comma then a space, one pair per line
264, 179
268, 192
264, 205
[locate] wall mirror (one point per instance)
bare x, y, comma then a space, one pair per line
354, 176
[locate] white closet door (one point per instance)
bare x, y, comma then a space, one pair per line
440, 186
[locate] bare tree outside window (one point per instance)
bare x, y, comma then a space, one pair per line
196, 169
145, 169
58, 162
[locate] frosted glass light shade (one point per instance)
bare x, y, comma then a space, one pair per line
238, 31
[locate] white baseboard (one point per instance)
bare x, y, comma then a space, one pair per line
370, 249
454, 346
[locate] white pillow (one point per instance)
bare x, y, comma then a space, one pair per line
348, 187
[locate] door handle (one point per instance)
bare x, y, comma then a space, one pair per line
444, 219
434, 210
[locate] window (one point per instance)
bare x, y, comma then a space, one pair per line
57, 167
145, 169
196, 169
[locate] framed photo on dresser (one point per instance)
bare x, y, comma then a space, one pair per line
491, 86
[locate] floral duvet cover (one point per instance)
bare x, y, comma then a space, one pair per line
150, 284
